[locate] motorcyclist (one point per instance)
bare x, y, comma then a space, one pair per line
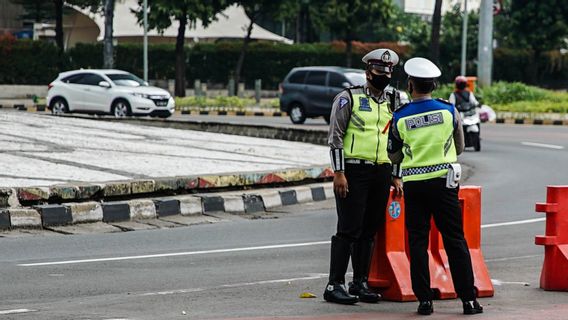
462, 98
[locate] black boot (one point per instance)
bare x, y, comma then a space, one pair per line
472, 307
425, 307
361, 260
335, 290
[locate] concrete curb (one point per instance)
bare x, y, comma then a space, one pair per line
26, 196
245, 202
531, 121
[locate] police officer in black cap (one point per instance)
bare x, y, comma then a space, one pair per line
358, 136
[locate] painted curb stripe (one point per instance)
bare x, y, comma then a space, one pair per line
5, 220
318, 194
253, 203
54, 215
213, 203
288, 197
117, 211
167, 207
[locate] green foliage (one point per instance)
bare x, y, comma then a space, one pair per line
443, 91
27, 62
507, 92
224, 103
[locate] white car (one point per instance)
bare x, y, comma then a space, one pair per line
114, 92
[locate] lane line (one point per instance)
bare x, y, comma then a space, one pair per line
511, 223
244, 249
188, 253
236, 285
13, 311
542, 145
498, 282
514, 258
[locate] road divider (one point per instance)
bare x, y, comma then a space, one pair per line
235, 202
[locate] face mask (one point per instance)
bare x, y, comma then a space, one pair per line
461, 85
379, 82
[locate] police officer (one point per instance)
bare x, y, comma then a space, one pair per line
358, 135
424, 140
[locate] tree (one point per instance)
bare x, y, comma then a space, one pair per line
538, 26
253, 9
186, 12
347, 19
435, 36
106, 8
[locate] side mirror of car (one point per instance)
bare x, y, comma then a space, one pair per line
104, 84
346, 84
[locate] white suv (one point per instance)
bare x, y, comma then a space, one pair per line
107, 92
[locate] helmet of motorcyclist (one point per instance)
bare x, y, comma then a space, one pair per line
461, 82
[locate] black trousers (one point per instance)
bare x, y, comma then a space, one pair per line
361, 212
422, 200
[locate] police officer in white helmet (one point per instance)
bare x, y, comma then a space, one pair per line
424, 140
358, 135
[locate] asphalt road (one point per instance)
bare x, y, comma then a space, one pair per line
243, 267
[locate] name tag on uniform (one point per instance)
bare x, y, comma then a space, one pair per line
424, 121
364, 104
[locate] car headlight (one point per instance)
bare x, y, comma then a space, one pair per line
141, 95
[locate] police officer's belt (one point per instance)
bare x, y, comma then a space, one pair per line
427, 169
358, 161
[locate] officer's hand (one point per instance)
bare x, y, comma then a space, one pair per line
397, 184
340, 185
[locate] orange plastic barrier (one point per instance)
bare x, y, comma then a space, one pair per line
390, 266
554, 276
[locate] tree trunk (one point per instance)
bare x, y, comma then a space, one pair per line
435, 39
180, 56
59, 25
348, 52
246, 41
108, 55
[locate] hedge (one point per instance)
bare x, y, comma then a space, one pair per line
36, 62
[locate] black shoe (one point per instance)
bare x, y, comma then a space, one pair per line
338, 293
472, 307
425, 308
361, 290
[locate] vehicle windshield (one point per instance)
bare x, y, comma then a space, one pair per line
126, 80
356, 78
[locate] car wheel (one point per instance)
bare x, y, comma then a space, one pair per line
297, 114
121, 109
164, 116
59, 106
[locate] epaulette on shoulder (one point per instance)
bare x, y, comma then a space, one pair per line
355, 87
444, 101
400, 107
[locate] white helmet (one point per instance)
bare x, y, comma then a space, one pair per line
421, 68
381, 59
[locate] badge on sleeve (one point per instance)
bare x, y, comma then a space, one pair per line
364, 104
343, 102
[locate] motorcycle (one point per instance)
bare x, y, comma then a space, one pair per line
471, 124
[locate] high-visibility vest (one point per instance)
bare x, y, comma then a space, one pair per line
426, 128
366, 136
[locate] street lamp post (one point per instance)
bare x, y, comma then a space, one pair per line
145, 40
464, 39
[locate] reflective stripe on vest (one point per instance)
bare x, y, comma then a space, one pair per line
366, 136
428, 144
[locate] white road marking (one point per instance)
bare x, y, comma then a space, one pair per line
498, 282
514, 258
542, 145
191, 253
188, 253
13, 311
511, 223
235, 285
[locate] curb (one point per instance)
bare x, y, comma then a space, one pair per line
246, 202
531, 121
26, 196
